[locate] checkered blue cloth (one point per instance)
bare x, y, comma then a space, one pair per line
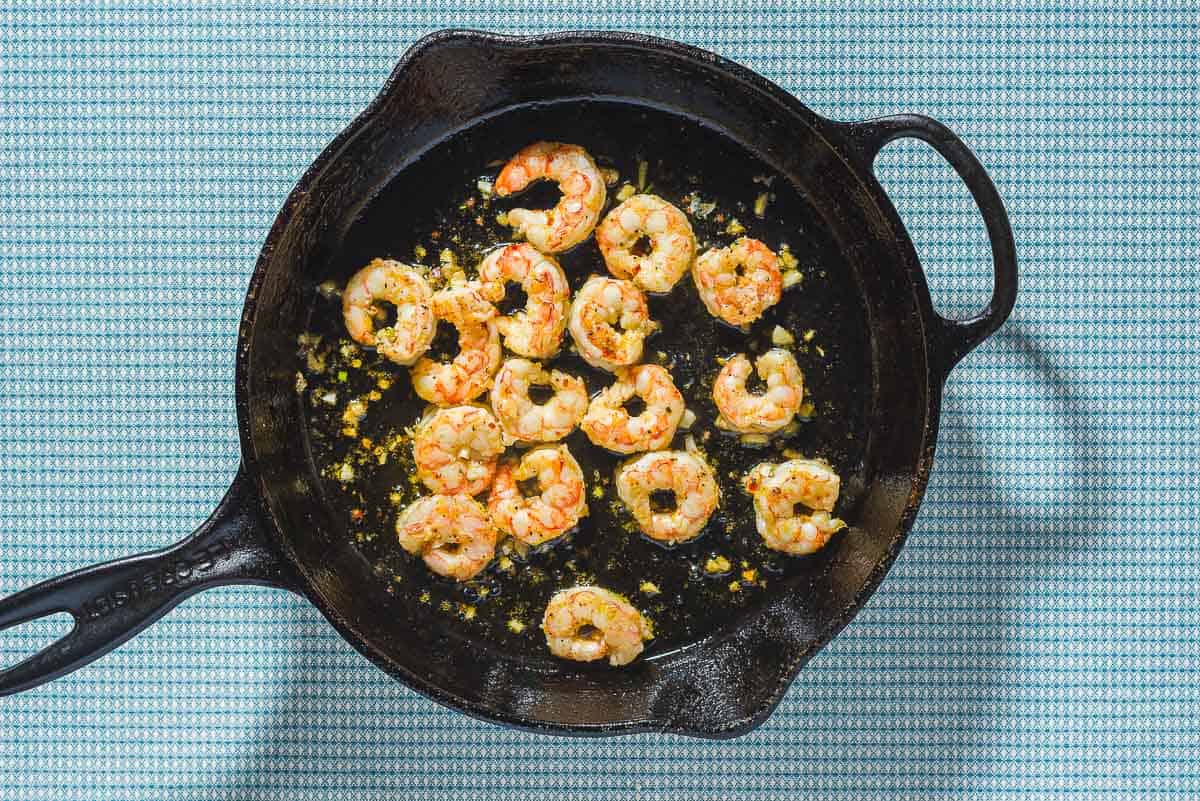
1037, 637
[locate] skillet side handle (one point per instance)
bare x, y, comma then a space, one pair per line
112, 602
954, 338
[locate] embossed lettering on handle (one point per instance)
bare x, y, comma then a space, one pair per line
114, 601
168, 579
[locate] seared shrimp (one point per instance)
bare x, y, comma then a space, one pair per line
535, 331
779, 489
740, 282
569, 222
589, 623
672, 244
609, 322
557, 505
468, 375
405, 340
749, 413
684, 477
468, 302
455, 450
609, 425
452, 533
526, 421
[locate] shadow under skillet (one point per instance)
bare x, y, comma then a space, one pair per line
918, 708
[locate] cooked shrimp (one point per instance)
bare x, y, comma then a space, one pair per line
687, 481
455, 449
569, 222
557, 505
589, 623
671, 248
779, 489
405, 340
740, 282
609, 322
749, 413
468, 302
609, 425
526, 421
452, 533
468, 375
535, 331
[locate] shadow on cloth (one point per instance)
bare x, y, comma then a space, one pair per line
914, 712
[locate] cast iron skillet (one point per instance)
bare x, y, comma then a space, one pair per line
273, 527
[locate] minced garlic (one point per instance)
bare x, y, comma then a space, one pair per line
781, 337
716, 565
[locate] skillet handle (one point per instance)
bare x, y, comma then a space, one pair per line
954, 338
112, 602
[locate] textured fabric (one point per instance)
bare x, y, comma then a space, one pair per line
1037, 638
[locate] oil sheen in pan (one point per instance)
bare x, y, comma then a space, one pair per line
687, 591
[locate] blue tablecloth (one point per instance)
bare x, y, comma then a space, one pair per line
1037, 637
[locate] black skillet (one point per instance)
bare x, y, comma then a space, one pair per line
274, 526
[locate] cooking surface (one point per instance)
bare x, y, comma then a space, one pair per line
1035, 639
688, 591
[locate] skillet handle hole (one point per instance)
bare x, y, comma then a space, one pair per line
23, 640
944, 223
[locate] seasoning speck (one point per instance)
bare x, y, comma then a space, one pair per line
355, 411
789, 261
649, 588
515, 626
717, 565
315, 361
760, 205
754, 440
698, 208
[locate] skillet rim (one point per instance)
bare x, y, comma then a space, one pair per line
830, 132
